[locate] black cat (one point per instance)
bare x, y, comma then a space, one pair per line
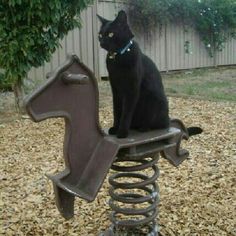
139, 100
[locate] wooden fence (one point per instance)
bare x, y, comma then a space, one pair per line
166, 48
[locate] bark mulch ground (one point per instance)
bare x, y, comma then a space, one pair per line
198, 198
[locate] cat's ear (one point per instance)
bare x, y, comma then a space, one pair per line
121, 17
102, 20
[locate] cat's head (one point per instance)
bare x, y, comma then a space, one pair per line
114, 35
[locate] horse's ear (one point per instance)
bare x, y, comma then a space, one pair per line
68, 78
102, 20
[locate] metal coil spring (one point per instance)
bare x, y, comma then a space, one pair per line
140, 189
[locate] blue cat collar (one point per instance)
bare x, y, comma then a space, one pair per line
123, 50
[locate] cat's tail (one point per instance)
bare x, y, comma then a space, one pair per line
190, 131
194, 130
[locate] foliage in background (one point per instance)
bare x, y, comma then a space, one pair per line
214, 20
30, 31
4, 84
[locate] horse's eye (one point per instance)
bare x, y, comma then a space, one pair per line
110, 35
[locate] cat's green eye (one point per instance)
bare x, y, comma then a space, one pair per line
110, 35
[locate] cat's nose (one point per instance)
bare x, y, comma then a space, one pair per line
100, 40
102, 44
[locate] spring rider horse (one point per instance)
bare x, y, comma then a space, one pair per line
89, 152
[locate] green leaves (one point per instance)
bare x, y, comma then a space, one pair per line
215, 20
30, 32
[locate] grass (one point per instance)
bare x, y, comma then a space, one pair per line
211, 84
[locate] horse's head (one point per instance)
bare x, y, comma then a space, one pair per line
71, 87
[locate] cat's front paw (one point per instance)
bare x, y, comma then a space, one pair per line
112, 130
122, 134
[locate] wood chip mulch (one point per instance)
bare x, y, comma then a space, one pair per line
197, 199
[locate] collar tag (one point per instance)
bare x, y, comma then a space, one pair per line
112, 55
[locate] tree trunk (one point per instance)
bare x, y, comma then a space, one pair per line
19, 95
